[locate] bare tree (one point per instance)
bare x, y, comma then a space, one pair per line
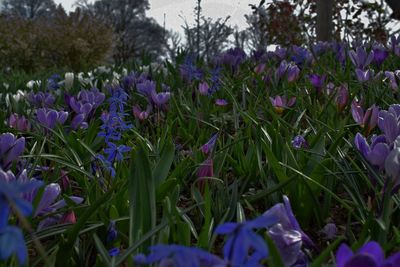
135, 33
29, 9
324, 20
213, 37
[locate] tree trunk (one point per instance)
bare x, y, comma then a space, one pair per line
324, 20
395, 6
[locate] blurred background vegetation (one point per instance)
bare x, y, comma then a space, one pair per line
37, 35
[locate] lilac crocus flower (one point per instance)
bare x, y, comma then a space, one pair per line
160, 99
221, 102
392, 162
285, 217
393, 79
204, 88
49, 117
369, 255
260, 68
364, 75
11, 148
342, 97
388, 122
280, 103
20, 123
367, 120
293, 73
141, 114
209, 146
360, 58
375, 153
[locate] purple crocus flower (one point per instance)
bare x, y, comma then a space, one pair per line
360, 58
317, 81
221, 102
281, 70
301, 55
146, 88
369, 255
11, 148
41, 100
280, 103
367, 120
111, 232
20, 123
281, 52
380, 54
49, 117
233, 57
375, 153
209, 146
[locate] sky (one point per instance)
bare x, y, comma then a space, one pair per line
175, 9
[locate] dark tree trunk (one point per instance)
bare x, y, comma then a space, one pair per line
395, 6
324, 20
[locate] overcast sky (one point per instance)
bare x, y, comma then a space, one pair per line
173, 9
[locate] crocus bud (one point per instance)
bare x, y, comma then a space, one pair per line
342, 98
18, 123
69, 80
69, 217
204, 88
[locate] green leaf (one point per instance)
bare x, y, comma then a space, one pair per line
162, 168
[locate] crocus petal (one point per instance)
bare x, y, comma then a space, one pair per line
343, 255
361, 260
51, 192
374, 250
